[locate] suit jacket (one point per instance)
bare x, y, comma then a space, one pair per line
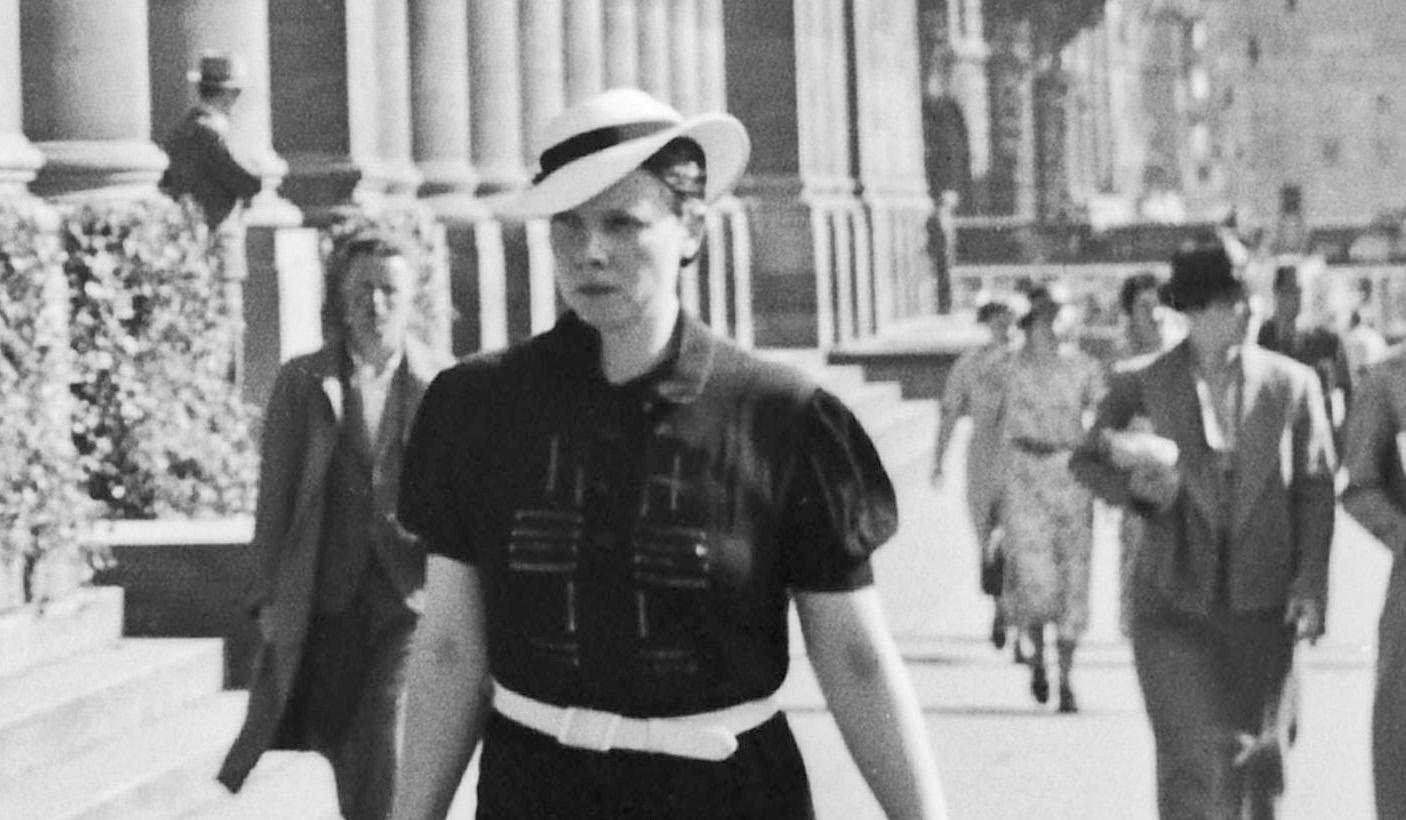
1283, 494
203, 167
302, 425
1376, 497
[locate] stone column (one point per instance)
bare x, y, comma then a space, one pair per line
89, 116
622, 38
779, 79
653, 21
439, 86
585, 49
326, 102
712, 62
495, 94
683, 47
18, 159
1051, 91
181, 31
391, 64
543, 73
1011, 183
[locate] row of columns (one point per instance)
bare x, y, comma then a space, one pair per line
352, 103
347, 99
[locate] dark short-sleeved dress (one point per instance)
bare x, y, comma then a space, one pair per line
636, 545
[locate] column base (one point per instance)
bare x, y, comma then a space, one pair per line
79, 166
802, 274
446, 176
19, 162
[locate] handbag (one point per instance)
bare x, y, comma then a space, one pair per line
993, 572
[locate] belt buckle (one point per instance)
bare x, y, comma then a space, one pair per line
588, 729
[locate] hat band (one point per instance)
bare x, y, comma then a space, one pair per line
585, 144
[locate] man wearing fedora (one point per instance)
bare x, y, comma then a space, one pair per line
1374, 453
201, 163
618, 514
1235, 485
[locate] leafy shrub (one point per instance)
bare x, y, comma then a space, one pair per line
160, 427
43, 509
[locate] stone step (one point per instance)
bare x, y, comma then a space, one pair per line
284, 786
161, 769
84, 619
50, 711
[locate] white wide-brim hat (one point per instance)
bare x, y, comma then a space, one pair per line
599, 141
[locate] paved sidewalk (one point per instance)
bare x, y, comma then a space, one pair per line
1004, 758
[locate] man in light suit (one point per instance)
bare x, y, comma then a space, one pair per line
1376, 497
338, 581
1238, 502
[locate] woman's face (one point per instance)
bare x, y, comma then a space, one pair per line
618, 254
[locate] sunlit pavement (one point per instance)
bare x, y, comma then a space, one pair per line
1002, 756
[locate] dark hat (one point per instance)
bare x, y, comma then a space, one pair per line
1043, 304
990, 310
1201, 276
218, 71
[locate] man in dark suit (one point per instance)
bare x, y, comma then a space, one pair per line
1235, 484
1315, 344
338, 582
201, 163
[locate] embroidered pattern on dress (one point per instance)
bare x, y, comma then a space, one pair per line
544, 557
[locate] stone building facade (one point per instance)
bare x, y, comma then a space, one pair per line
1076, 111
1307, 102
357, 104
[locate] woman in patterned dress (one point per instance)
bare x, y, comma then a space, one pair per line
1048, 517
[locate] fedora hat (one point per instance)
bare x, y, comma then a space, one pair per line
1201, 276
599, 141
218, 71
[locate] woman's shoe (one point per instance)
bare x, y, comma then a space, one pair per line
1039, 684
1067, 704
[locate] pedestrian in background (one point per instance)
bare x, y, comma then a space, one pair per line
202, 164
976, 388
1376, 496
1047, 518
1307, 340
337, 586
619, 512
1363, 346
1235, 487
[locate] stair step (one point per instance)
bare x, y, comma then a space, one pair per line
86, 619
49, 711
284, 786
161, 769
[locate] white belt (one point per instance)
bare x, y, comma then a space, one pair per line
702, 736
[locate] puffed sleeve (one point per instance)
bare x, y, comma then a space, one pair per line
431, 500
839, 506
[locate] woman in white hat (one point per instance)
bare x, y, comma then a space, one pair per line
618, 513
